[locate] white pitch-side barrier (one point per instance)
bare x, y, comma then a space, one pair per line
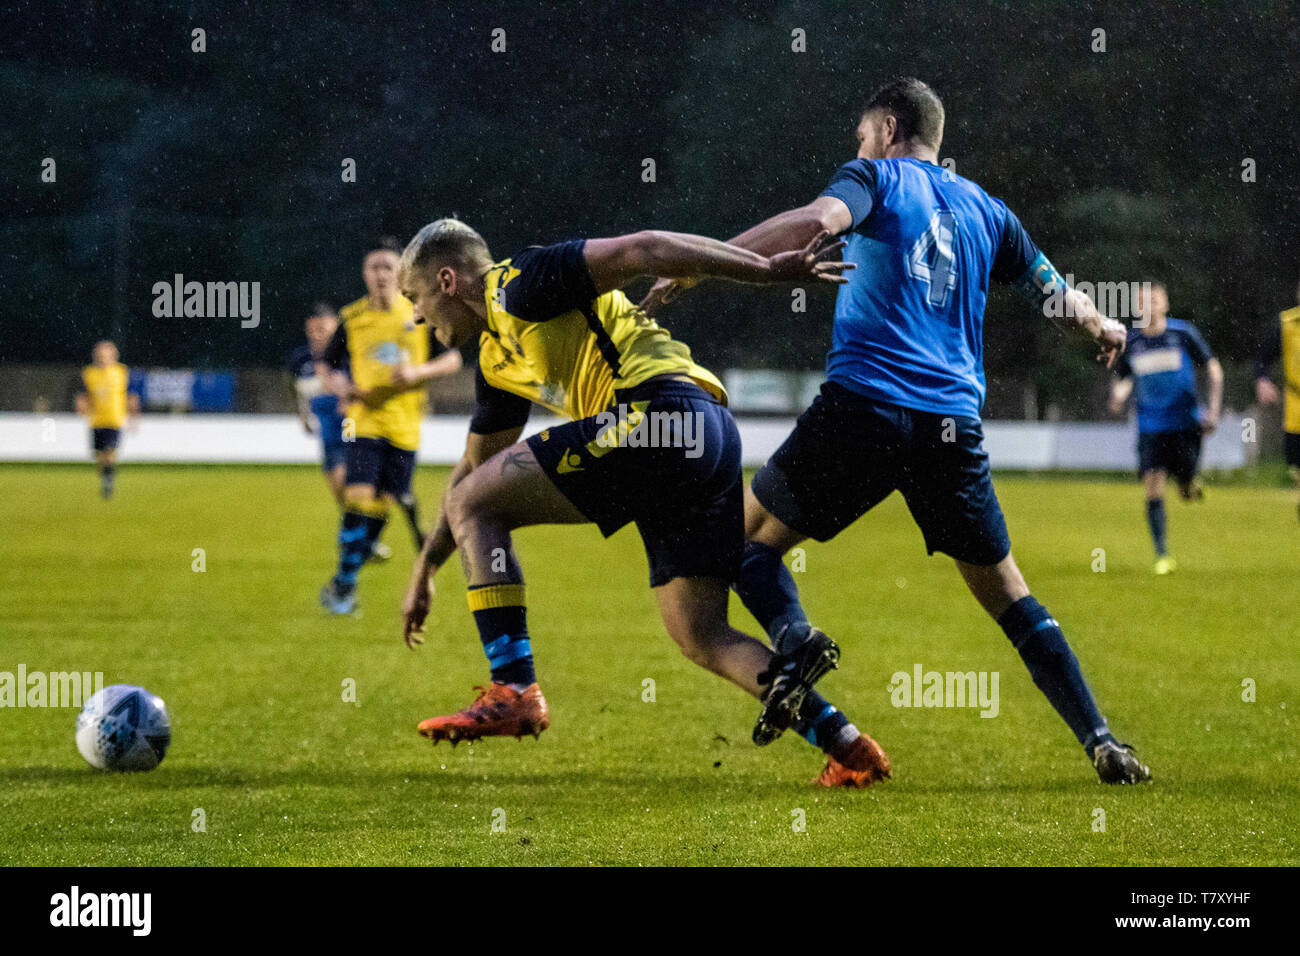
280, 439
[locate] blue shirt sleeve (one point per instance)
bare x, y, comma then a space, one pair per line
1016, 252
336, 352
854, 184
1196, 346
552, 280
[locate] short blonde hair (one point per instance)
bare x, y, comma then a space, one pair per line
442, 242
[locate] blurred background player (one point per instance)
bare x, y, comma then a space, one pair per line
376, 337
318, 407
1159, 365
1283, 342
108, 405
901, 405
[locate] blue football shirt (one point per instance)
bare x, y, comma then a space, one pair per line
909, 324
1163, 368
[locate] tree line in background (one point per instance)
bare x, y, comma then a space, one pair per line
1162, 147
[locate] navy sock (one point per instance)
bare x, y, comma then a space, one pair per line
106, 477
354, 548
374, 525
819, 722
501, 617
767, 589
411, 508
1054, 669
1156, 520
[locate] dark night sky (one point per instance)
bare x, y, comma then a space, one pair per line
225, 165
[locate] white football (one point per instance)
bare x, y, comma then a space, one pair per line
124, 727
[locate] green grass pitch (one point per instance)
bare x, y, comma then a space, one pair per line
287, 772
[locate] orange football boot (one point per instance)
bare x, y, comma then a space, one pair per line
860, 764
498, 711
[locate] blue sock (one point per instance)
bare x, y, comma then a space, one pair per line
766, 587
1156, 519
501, 617
1052, 665
820, 722
354, 548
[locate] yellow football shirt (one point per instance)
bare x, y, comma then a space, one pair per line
1291, 368
552, 340
106, 394
377, 342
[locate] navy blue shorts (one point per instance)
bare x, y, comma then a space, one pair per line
1291, 448
376, 462
670, 463
848, 452
1177, 453
104, 439
333, 454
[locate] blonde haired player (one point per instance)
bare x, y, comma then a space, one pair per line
105, 401
555, 329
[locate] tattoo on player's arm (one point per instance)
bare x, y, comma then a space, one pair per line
521, 461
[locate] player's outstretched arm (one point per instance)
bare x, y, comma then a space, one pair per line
439, 546
406, 377
1120, 390
300, 403
792, 229
1109, 334
1266, 391
678, 255
1042, 285
1214, 376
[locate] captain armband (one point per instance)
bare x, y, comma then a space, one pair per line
1045, 288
